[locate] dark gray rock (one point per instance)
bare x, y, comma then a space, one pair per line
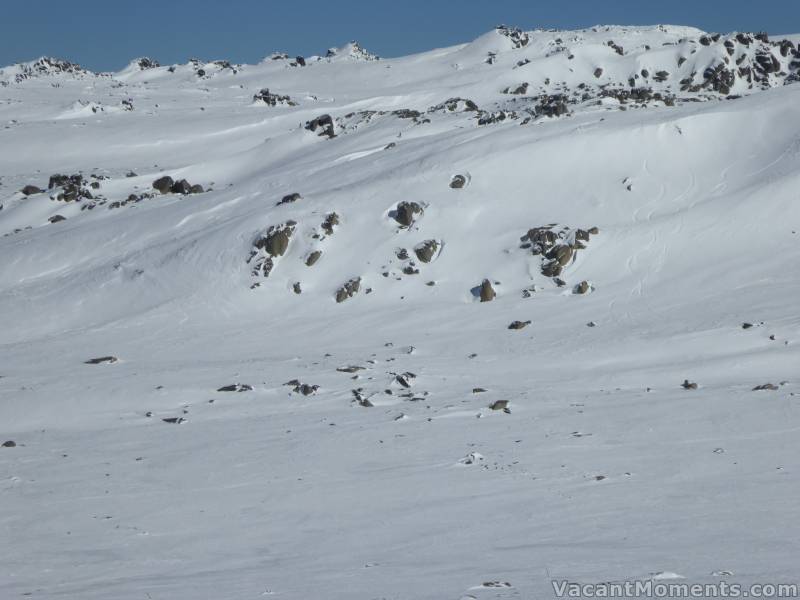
181, 187
164, 184
236, 387
323, 125
290, 198
102, 360
766, 387
458, 182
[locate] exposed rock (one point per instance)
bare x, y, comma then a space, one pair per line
306, 389
348, 290
102, 360
455, 105
276, 240
9, 444
582, 288
598, 72
407, 212
324, 124
174, 420
361, 399
405, 379
30, 190
458, 182
560, 253
331, 221
181, 187
57, 219
519, 324
517, 90
236, 387
767, 386
487, 292
265, 97
164, 184
518, 37
687, 385
499, 405
427, 250
290, 198
296, 288
313, 258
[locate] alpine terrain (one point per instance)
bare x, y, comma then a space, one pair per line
453, 325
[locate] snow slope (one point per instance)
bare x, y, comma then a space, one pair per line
396, 479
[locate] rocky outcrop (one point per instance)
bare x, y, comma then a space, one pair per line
264, 96
322, 126
348, 290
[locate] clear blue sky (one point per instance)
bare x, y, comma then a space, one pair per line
107, 34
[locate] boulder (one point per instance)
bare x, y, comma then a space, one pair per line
426, 251
181, 187
407, 212
458, 182
582, 288
290, 198
276, 241
164, 184
331, 221
313, 258
561, 253
487, 292
30, 190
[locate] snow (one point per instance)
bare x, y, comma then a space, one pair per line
603, 468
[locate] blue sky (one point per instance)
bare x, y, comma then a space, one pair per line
107, 34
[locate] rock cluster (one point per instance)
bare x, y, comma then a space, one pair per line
167, 185
264, 96
323, 126
557, 246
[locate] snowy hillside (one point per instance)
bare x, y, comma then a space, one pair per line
444, 326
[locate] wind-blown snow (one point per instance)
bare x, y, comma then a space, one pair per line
396, 479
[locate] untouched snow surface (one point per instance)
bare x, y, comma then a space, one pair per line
396, 479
